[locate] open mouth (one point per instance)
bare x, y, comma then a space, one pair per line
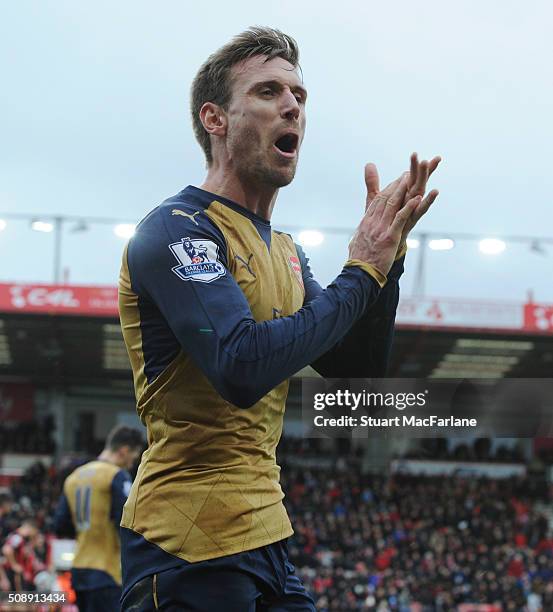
287, 144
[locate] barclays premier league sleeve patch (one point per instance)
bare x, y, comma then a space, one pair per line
198, 260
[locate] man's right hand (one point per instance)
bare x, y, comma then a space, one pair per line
377, 238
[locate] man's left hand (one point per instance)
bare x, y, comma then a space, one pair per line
419, 173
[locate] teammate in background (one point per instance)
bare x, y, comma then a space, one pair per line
218, 311
90, 508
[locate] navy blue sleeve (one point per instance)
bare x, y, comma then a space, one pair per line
120, 488
63, 523
188, 281
364, 352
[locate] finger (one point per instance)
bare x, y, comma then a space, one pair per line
421, 210
381, 197
413, 169
372, 181
422, 177
395, 201
378, 205
389, 189
433, 164
420, 186
423, 207
401, 218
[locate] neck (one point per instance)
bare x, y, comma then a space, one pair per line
109, 456
258, 199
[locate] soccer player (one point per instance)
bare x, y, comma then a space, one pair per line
218, 310
20, 559
90, 508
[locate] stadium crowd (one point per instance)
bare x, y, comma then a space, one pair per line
365, 542
26, 513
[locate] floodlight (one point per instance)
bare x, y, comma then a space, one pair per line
310, 238
441, 244
124, 230
42, 226
491, 246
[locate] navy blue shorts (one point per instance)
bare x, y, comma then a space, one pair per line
260, 580
98, 600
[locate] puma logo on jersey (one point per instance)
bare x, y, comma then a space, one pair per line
176, 211
246, 264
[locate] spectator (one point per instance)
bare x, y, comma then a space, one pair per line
373, 542
21, 564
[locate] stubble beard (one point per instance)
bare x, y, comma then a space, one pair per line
253, 165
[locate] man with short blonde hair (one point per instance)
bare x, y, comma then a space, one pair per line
218, 311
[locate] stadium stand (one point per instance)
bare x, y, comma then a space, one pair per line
386, 542
33, 437
365, 542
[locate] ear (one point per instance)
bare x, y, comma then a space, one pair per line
214, 119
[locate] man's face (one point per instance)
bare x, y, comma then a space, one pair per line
266, 120
29, 531
128, 456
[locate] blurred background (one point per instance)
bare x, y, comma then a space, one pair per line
96, 132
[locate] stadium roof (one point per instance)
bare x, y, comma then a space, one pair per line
71, 335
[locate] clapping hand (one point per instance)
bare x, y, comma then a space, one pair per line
418, 175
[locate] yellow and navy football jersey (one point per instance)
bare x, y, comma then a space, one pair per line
90, 508
218, 311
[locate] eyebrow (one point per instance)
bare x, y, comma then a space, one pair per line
278, 84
